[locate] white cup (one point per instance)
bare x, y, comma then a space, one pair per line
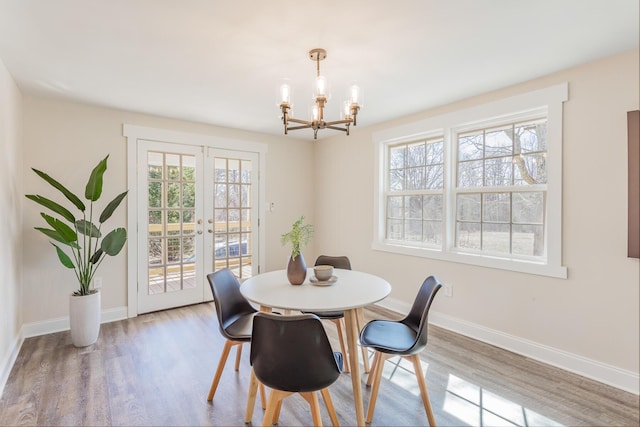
323, 272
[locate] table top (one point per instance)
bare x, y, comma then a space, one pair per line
352, 289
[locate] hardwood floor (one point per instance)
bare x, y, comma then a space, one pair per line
156, 369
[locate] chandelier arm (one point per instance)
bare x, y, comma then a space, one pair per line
339, 122
300, 127
294, 120
336, 128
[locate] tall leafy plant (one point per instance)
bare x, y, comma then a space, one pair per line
299, 236
81, 236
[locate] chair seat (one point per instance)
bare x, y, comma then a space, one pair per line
388, 336
328, 315
239, 327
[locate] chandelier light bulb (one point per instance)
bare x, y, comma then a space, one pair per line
346, 110
321, 86
354, 94
285, 94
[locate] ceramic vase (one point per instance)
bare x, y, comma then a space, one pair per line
296, 270
84, 319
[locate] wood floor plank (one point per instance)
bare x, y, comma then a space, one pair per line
156, 369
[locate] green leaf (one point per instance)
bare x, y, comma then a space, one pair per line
96, 256
68, 194
50, 204
64, 258
112, 206
87, 228
299, 236
53, 234
94, 185
64, 231
113, 242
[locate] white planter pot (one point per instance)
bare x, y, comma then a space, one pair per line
84, 317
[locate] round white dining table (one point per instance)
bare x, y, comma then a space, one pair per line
351, 291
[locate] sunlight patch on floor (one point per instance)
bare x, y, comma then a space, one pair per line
475, 406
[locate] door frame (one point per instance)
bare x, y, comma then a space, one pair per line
134, 133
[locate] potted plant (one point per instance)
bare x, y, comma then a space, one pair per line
87, 244
299, 236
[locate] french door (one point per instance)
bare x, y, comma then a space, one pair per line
197, 213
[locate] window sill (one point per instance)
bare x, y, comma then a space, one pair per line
516, 265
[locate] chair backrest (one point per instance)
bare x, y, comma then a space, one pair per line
336, 261
419, 313
229, 302
292, 353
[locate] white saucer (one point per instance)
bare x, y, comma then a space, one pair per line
315, 281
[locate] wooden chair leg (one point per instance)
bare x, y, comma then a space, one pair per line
376, 385
374, 364
263, 396
330, 408
360, 323
223, 359
343, 344
275, 397
276, 414
423, 388
251, 397
238, 355
312, 398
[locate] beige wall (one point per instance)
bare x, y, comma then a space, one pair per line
68, 139
10, 220
593, 314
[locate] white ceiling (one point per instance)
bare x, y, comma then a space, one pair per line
221, 62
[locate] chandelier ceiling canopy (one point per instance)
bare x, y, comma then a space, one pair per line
350, 108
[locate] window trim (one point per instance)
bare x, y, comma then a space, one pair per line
513, 108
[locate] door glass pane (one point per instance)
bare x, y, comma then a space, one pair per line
233, 245
171, 222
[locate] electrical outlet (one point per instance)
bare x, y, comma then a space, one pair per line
448, 290
97, 282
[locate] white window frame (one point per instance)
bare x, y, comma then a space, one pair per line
550, 101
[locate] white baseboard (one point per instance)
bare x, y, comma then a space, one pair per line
602, 372
7, 364
60, 324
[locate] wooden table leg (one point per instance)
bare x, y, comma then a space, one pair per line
350, 318
365, 354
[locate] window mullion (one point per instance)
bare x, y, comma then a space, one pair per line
450, 170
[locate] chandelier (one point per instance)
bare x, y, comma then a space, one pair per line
320, 97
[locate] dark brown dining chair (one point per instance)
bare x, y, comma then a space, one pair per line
292, 354
406, 338
235, 320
